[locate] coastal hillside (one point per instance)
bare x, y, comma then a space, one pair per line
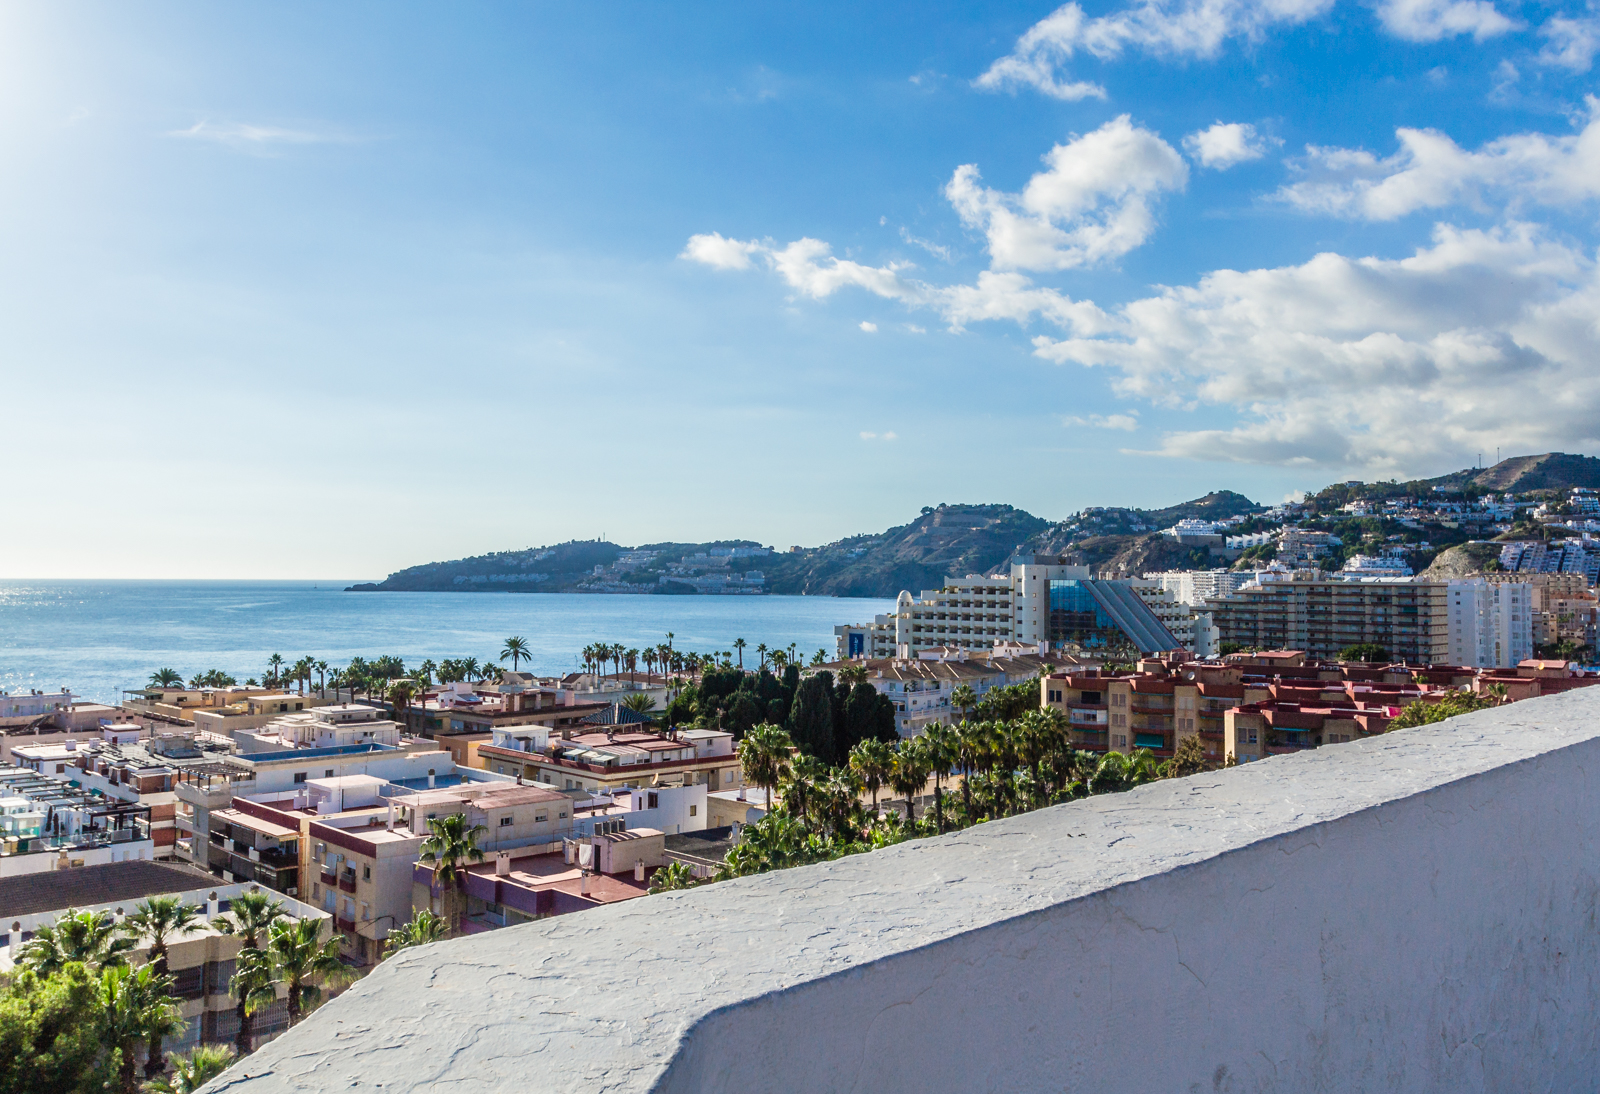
1521, 474
943, 540
1096, 536
947, 540
576, 566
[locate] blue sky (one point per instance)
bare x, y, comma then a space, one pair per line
310, 292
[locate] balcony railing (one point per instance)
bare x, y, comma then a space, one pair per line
347, 881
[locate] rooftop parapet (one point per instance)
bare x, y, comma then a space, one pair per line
1410, 912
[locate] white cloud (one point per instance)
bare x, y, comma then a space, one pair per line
870, 328
914, 329
1225, 144
1186, 28
1431, 20
1395, 366
258, 138
1128, 422
1570, 43
713, 250
879, 437
809, 267
1092, 203
1431, 171
935, 249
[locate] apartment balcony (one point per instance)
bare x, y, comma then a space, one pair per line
347, 881
1420, 906
330, 878
348, 926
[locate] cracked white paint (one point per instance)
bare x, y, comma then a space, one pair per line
1416, 912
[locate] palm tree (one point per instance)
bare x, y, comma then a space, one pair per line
322, 679
639, 703
449, 846
765, 756
274, 667
516, 649
672, 877
424, 927
250, 916
299, 960
910, 773
135, 1005
92, 938
761, 648
964, 699
193, 1070
158, 919
166, 678
873, 761
941, 749
852, 674
739, 644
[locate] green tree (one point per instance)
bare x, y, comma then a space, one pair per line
194, 1069
301, 962
674, 876
516, 648
91, 938
450, 844
739, 644
940, 749
274, 670
1364, 651
424, 927
250, 916
639, 703
811, 717
50, 1032
135, 1005
1422, 712
1189, 758
873, 762
158, 919
166, 678
909, 775
964, 699
765, 755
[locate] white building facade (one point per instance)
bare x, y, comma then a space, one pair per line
1490, 626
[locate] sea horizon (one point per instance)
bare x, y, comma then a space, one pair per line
101, 636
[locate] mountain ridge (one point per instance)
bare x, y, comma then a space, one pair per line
940, 541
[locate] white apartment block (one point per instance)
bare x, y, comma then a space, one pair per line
969, 613
1197, 587
1490, 625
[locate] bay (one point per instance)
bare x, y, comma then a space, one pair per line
100, 637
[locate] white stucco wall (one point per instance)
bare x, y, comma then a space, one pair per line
1417, 912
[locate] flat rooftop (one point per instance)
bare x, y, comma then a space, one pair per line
106, 886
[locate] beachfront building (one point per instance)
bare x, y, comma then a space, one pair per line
1041, 600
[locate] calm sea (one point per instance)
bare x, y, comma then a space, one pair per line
99, 637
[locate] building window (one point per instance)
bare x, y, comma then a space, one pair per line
540, 818
299, 776
505, 822
366, 873
694, 810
